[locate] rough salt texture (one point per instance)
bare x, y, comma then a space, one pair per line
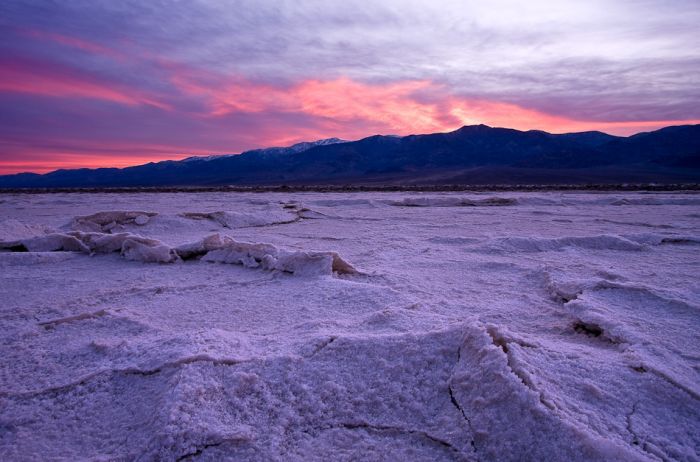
475, 327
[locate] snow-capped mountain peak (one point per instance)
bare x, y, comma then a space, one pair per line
293, 149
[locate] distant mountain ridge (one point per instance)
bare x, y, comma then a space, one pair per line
475, 154
293, 149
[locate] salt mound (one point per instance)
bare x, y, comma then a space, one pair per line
453, 202
101, 242
213, 248
664, 239
269, 257
343, 202
197, 249
55, 242
14, 230
131, 246
139, 248
633, 242
233, 220
531, 244
110, 220
218, 249
657, 200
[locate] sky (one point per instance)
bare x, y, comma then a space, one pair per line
98, 83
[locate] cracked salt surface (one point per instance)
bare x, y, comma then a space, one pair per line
229, 326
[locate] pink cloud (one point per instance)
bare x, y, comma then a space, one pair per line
46, 79
361, 109
73, 42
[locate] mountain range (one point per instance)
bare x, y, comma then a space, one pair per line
475, 154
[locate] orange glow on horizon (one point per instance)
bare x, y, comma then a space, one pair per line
118, 157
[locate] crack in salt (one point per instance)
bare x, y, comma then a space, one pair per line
323, 345
127, 371
200, 449
390, 428
502, 343
636, 439
456, 404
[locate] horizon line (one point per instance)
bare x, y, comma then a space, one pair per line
185, 156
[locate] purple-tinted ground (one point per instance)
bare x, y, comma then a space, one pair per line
308, 326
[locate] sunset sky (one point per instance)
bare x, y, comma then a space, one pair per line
94, 83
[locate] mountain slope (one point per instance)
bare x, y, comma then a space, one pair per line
470, 155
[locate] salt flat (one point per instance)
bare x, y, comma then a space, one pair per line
368, 326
